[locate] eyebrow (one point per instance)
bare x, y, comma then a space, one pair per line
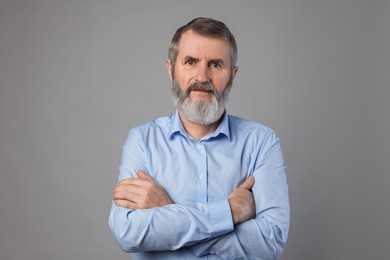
188, 57
220, 61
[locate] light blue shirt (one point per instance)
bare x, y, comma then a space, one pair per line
199, 176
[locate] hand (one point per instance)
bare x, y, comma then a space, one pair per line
140, 193
242, 202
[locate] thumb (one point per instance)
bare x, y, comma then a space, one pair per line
248, 183
142, 175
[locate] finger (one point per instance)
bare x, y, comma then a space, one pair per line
144, 176
127, 188
130, 181
125, 195
126, 204
248, 183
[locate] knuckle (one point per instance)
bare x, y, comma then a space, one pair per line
117, 203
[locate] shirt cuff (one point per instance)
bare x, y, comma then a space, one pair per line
220, 217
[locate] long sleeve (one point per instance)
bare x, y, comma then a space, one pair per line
265, 236
199, 176
164, 228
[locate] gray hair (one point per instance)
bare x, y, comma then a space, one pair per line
206, 27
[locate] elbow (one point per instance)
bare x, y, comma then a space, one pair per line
272, 249
277, 242
122, 236
125, 247
272, 240
124, 242
279, 248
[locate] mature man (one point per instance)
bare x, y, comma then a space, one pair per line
201, 183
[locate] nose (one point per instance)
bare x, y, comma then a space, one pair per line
203, 73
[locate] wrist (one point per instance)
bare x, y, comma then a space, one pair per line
233, 211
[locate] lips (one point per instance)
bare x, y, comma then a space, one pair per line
201, 90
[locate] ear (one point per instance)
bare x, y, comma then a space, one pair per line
235, 70
169, 68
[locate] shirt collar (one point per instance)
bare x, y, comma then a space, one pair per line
222, 129
176, 126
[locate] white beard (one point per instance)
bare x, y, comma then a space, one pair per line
200, 112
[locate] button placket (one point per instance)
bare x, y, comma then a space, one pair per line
202, 171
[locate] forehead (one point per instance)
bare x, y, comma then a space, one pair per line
199, 46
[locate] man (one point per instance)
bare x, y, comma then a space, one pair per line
201, 183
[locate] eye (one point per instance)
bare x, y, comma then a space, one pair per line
215, 65
190, 62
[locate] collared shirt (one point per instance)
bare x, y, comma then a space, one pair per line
199, 176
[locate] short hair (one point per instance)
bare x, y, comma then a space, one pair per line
206, 27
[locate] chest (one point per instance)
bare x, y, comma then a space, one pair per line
199, 171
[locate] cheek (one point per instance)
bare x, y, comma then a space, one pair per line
181, 82
182, 77
220, 82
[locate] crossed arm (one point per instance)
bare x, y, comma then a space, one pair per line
254, 235
245, 225
145, 193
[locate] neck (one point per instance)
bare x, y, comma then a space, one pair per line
198, 131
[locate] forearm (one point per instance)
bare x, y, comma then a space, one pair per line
265, 236
170, 227
253, 239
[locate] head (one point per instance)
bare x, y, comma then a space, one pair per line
206, 27
202, 65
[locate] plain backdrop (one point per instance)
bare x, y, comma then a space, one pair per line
77, 75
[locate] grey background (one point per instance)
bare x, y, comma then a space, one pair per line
75, 76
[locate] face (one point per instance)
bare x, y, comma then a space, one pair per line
202, 77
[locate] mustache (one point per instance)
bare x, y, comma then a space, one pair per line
201, 86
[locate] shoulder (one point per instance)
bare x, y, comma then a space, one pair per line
256, 136
245, 126
157, 128
158, 124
